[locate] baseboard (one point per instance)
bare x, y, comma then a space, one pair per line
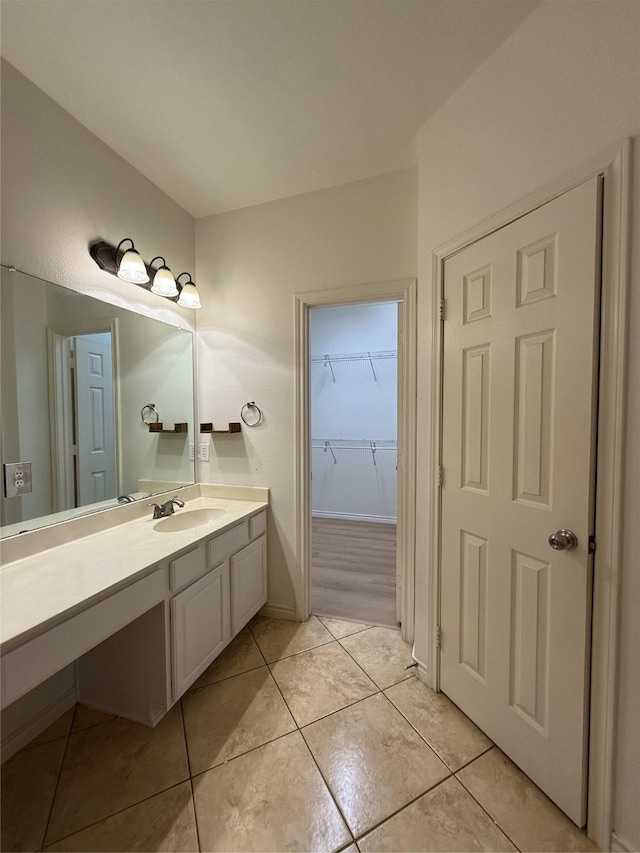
344, 516
37, 724
276, 611
421, 672
622, 845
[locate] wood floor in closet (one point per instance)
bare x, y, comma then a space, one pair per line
353, 570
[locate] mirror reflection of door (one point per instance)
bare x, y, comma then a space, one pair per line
85, 463
95, 453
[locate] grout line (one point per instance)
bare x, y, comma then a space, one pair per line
381, 689
402, 808
195, 689
365, 626
193, 796
118, 811
328, 787
425, 739
302, 651
476, 800
293, 654
313, 758
242, 754
301, 726
55, 790
471, 760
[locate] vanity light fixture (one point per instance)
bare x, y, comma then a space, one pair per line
189, 297
163, 281
131, 267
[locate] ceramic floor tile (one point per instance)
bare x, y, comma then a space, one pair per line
233, 716
352, 848
59, 728
165, 822
445, 819
448, 731
115, 765
241, 655
528, 817
87, 717
373, 761
278, 638
339, 628
28, 784
273, 798
320, 681
382, 653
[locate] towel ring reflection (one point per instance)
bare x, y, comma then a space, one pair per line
149, 414
253, 412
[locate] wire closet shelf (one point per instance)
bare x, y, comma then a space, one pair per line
329, 445
329, 359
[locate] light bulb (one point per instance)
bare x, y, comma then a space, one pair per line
132, 268
189, 296
164, 283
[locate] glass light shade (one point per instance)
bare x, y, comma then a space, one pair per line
189, 297
132, 268
164, 283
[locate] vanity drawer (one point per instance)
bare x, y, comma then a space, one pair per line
257, 525
37, 659
187, 568
228, 543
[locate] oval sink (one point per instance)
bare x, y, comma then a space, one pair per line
187, 520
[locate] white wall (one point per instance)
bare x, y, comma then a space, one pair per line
250, 263
357, 405
563, 87
63, 188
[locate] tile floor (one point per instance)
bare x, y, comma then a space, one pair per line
298, 737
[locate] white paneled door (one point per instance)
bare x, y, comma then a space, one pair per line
518, 457
96, 473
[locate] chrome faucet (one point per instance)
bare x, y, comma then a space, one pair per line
166, 509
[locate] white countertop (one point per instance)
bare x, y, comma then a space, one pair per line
41, 590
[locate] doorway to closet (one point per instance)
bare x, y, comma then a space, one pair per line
353, 372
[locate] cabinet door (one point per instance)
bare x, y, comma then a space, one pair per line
248, 583
200, 626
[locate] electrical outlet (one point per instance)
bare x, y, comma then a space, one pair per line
17, 479
203, 451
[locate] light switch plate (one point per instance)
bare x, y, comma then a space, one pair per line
17, 479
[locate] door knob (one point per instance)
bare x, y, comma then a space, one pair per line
563, 540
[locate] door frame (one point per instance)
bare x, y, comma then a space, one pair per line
62, 471
614, 165
404, 291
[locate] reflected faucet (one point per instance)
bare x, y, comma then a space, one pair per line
126, 499
166, 509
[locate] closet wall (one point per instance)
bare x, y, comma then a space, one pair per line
354, 411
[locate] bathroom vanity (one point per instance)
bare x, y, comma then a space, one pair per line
142, 607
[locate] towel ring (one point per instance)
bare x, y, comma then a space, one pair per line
149, 414
255, 417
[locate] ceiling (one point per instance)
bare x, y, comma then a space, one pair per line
228, 103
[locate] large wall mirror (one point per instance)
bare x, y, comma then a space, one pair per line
77, 379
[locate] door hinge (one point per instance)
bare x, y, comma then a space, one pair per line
443, 309
438, 637
440, 475
592, 544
